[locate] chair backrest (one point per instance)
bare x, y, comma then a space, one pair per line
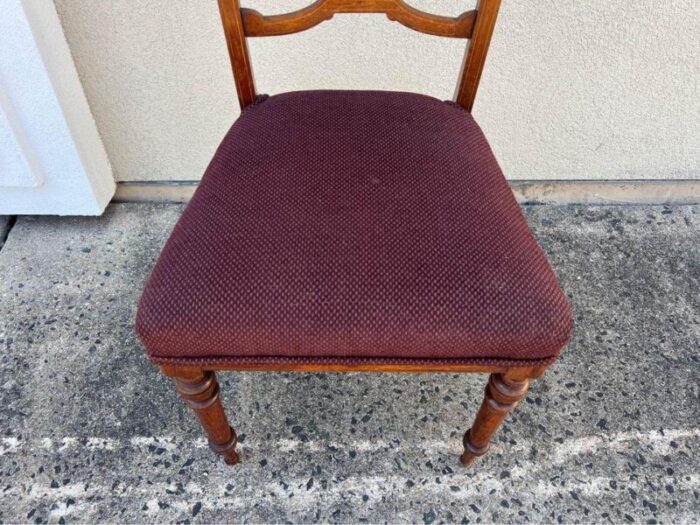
476, 25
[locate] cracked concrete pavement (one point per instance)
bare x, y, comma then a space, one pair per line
91, 432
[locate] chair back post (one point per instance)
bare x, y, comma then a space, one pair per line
238, 51
477, 25
487, 13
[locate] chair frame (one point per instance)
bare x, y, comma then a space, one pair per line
507, 385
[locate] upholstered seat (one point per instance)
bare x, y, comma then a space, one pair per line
345, 226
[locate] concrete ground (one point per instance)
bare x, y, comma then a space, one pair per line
91, 432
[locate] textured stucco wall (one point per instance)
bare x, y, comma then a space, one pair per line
572, 89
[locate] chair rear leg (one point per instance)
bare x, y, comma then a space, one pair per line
200, 391
503, 393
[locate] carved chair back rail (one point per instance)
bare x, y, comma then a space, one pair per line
194, 371
477, 25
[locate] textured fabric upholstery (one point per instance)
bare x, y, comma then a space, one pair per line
346, 226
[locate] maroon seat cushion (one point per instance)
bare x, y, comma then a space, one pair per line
353, 226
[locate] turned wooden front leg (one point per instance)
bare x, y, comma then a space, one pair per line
200, 391
502, 395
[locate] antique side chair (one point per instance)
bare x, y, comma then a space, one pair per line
353, 231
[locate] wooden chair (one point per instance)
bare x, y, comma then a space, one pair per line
350, 231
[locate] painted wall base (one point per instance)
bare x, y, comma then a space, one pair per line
527, 192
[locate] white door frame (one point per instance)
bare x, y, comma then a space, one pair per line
52, 160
